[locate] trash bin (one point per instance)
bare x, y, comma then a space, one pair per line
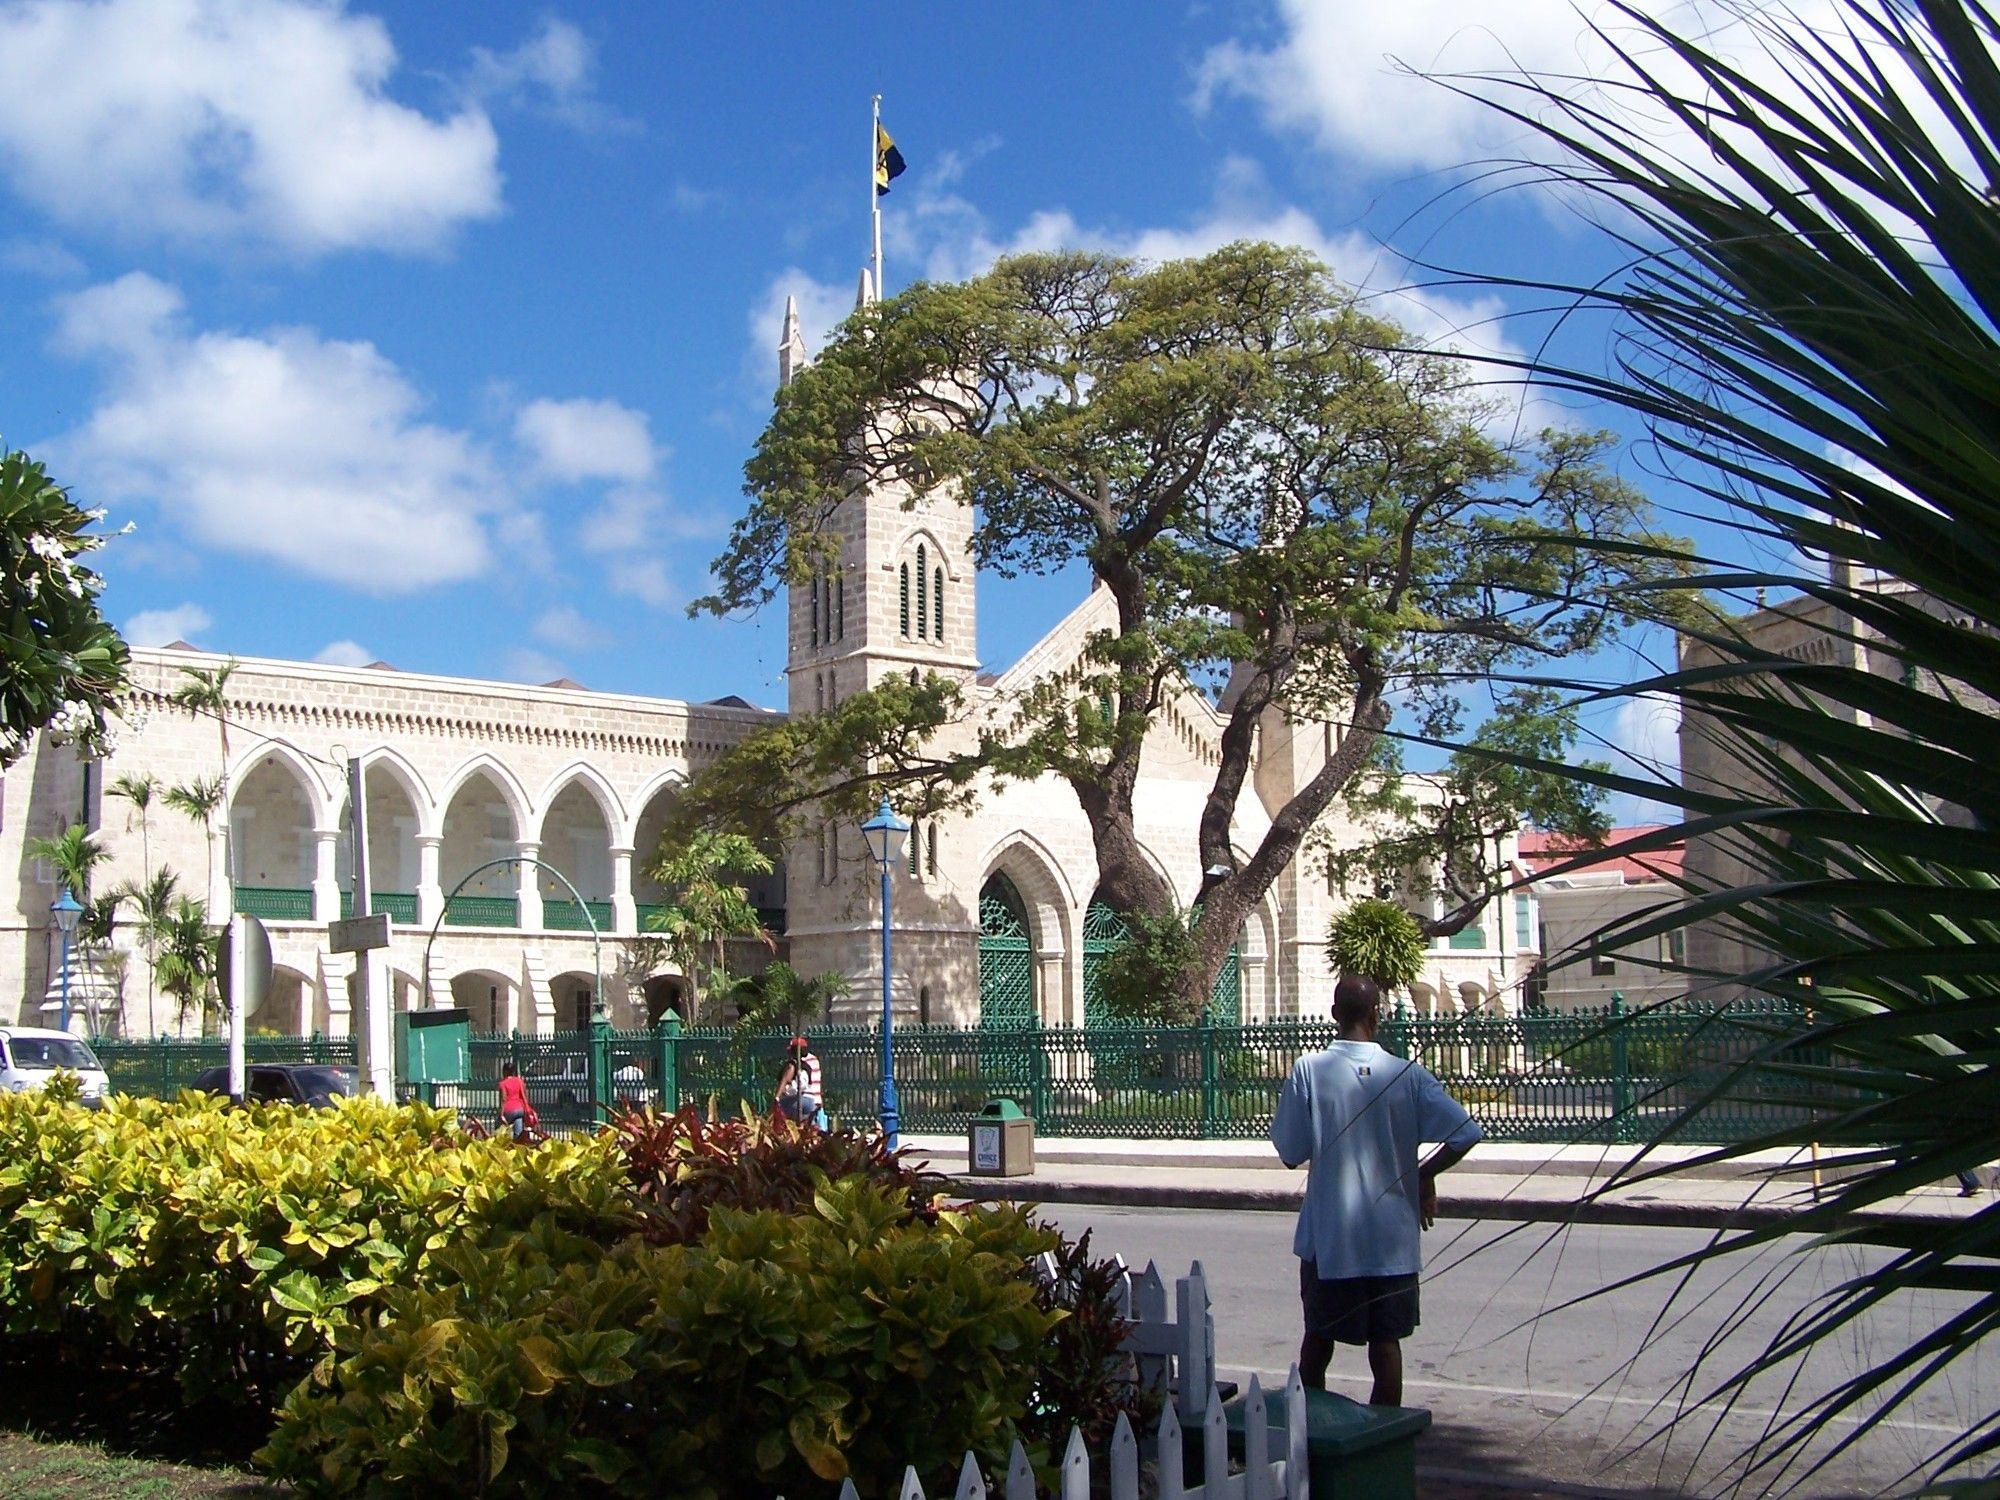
1351, 1448
1002, 1141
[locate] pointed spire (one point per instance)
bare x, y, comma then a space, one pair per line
791, 347
864, 295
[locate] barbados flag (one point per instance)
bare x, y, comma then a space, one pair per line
888, 160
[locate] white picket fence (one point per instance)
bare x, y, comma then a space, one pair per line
1177, 1352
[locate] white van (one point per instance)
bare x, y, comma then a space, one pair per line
30, 1056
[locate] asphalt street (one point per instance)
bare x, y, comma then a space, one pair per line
1533, 1396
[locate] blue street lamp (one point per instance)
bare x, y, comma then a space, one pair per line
65, 912
886, 833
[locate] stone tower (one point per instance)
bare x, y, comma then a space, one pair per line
900, 599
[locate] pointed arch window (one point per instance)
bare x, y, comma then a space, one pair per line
937, 603
923, 595
905, 604
840, 607
915, 846
930, 848
812, 607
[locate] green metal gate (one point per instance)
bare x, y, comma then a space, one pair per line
1104, 932
1006, 959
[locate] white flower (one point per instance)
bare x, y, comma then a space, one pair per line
43, 544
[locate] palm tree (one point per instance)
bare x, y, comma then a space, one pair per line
200, 799
154, 901
140, 790
205, 692
188, 952
707, 908
1809, 310
780, 998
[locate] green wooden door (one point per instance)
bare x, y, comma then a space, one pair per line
1006, 959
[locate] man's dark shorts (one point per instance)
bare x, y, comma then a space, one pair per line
1358, 1309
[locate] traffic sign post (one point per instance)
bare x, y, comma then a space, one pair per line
245, 975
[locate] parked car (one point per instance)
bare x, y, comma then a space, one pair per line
30, 1057
316, 1085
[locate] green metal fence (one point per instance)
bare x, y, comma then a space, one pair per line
163, 1066
1583, 1076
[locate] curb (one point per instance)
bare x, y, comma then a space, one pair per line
1632, 1211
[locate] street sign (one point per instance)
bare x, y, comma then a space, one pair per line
256, 942
358, 934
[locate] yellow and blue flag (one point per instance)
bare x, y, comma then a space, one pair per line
888, 160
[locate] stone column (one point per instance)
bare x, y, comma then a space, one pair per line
326, 875
624, 910
1252, 972
530, 886
1051, 992
430, 894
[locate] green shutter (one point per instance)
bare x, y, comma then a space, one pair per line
906, 600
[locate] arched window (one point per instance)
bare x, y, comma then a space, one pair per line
840, 607
819, 693
916, 844
905, 605
937, 603
923, 595
930, 848
813, 609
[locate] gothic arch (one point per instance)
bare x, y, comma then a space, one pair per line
1044, 889
592, 781
504, 781
324, 811
627, 832
406, 776
939, 554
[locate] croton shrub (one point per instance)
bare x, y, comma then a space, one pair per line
667, 1307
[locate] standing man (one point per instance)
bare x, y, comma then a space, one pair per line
1358, 1114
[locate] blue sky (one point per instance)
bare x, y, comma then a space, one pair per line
439, 333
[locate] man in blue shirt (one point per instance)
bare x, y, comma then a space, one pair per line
1358, 1114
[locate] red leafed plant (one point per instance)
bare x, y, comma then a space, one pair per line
682, 1167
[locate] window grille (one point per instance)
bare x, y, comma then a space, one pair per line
923, 595
905, 605
937, 603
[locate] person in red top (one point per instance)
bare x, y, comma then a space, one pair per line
514, 1110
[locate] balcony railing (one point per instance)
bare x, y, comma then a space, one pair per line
400, 905
560, 914
772, 917
275, 903
482, 911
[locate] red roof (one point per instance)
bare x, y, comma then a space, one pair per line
1544, 851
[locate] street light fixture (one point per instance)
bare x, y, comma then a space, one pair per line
65, 913
886, 834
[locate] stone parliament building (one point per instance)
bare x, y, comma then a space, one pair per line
995, 918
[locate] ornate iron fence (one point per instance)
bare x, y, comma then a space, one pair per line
1580, 1076
163, 1066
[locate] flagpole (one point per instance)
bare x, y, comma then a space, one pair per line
874, 197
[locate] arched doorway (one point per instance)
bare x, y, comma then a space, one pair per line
479, 826
665, 994
281, 1013
487, 998
393, 863
1104, 932
576, 839
1006, 958
573, 993
271, 843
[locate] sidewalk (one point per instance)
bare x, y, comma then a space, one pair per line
1499, 1181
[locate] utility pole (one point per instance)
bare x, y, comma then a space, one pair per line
371, 1001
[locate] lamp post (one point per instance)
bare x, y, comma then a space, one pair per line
65, 912
886, 834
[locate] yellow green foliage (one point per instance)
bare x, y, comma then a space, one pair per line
222, 1240
778, 1355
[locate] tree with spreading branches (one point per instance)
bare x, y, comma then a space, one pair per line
1291, 506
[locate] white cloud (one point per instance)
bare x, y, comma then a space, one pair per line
586, 439
344, 653
823, 307
644, 579
204, 121
553, 72
158, 627
1644, 741
285, 445
564, 626
623, 535
44, 258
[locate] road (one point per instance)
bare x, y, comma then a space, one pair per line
1530, 1396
